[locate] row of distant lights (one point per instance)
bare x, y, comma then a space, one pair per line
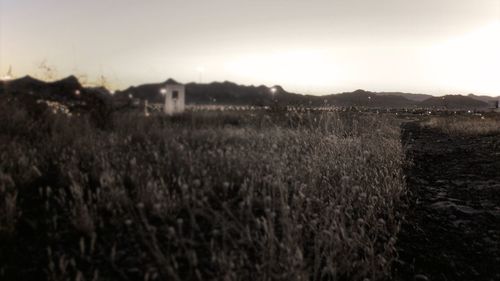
163, 91
273, 90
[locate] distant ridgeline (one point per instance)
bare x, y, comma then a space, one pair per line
227, 93
67, 89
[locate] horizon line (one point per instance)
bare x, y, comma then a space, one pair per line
113, 89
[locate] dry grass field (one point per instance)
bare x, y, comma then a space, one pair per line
466, 125
201, 196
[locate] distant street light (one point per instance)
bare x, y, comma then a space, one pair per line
163, 91
273, 91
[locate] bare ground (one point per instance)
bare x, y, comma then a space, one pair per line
452, 227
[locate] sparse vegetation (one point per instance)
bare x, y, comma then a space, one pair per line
466, 125
451, 228
202, 196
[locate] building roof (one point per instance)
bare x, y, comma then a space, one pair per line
171, 81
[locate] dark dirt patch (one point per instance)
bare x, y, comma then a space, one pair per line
452, 227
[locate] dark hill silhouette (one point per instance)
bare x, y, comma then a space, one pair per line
229, 93
454, 102
64, 89
369, 99
226, 93
67, 91
150, 92
483, 98
412, 97
23, 84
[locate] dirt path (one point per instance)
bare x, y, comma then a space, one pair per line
452, 231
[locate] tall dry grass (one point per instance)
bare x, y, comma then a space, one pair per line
203, 196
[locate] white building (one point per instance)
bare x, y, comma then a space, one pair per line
175, 97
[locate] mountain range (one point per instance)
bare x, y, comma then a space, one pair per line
229, 93
66, 89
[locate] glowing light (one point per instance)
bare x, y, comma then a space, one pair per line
163, 91
273, 90
297, 68
77, 92
470, 62
6, 77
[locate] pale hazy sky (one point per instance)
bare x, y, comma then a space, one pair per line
319, 47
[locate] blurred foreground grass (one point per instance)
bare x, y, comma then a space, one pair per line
201, 196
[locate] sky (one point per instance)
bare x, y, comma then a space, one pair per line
316, 47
